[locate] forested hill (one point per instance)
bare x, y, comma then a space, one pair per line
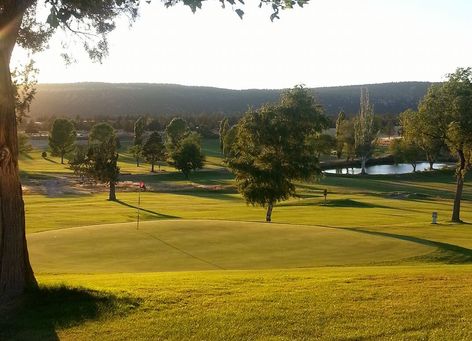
97, 99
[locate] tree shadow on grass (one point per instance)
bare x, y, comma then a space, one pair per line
444, 253
154, 213
335, 203
50, 160
38, 313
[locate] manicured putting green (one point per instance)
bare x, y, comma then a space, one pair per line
180, 245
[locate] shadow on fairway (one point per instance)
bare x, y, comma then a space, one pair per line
157, 214
445, 253
336, 203
37, 314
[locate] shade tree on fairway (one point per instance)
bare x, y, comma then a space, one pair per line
102, 157
404, 150
154, 150
447, 110
187, 156
98, 161
271, 152
175, 132
20, 25
62, 138
419, 129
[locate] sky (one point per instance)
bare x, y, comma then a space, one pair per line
326, 43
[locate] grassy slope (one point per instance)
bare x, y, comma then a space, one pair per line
323, 303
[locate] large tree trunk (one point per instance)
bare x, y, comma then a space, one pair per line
15, 269
270, 207
456, 211
112, 194
152, 167
363, 162
430, 160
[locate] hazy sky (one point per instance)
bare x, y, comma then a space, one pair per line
329, 42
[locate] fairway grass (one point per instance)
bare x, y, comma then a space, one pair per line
182, 245
347, 303
367, 264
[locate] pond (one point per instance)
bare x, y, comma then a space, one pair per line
401, 168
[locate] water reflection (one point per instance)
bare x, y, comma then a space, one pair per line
401, 168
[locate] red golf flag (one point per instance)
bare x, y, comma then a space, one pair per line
142, 185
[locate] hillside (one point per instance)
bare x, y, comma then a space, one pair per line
97, 99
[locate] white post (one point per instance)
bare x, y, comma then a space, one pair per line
435, 218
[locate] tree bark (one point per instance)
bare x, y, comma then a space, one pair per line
430, 160
363, 161
112, 193
152, 167
15, 269
459, 187
270, 207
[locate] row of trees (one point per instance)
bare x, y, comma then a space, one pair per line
99, 159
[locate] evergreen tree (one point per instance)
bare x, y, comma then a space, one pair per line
154, 150
62, 137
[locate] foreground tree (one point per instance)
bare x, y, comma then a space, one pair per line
92, 20
364, 133
448, 107
62, 138
271, 151
154, 150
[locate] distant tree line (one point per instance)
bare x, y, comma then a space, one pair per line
93, 100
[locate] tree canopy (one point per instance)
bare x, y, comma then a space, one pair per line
271, 152
62, 137
447, 112
154, 149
